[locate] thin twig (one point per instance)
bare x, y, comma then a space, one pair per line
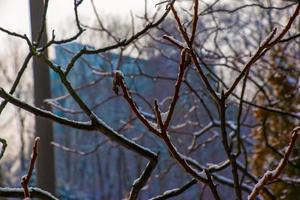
26, 178
195, 20
175, 192
175, 97
119, 82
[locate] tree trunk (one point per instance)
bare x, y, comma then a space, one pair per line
43, 128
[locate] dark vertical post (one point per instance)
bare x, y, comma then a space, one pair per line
43, 128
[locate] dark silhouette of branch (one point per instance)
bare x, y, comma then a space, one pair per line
4, 145
44, 113
212, 186
121, 43
17, 80
19, 193
195, 21
139, 183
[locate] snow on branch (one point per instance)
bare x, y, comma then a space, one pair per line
270, 176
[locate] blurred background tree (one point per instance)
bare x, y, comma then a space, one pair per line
282, 85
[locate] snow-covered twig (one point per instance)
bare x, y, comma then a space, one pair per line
274, 174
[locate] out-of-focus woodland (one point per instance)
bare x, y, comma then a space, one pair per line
188, 100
